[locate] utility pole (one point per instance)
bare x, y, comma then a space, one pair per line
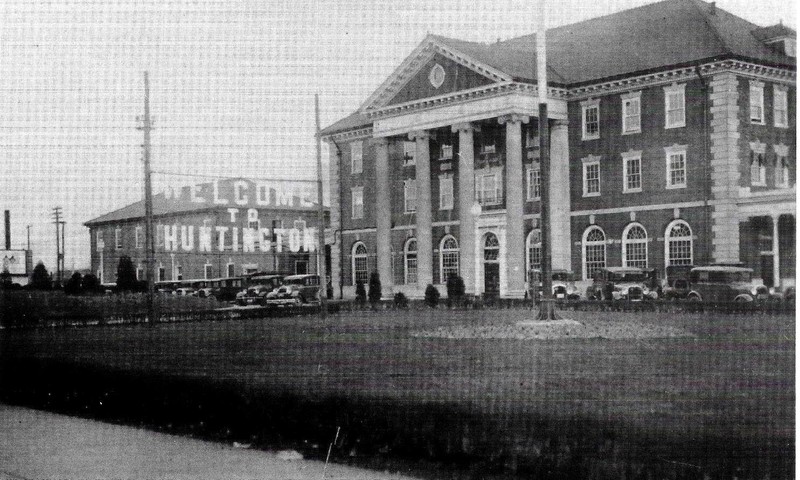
28, 227
546, 307
148, 206
323, 277
56, 215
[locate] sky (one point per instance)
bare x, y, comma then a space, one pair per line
232, 89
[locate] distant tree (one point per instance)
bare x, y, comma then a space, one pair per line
126, 274
73, 285
431, 296
374, 289
361, 294
90, 283
40, 279
5, 278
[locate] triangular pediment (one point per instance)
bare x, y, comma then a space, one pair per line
433, 69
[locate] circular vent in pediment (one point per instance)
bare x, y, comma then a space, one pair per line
436, 76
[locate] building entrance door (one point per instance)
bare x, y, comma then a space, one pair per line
491, 279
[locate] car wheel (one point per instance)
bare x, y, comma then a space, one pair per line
693, 298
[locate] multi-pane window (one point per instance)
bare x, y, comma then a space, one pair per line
631, 113
534, 184
489, 192
591, 178
780, 106
781, 166
758, 169
756, 102
162, 273
411, 261
140, 273
449, 254
360, 265
357, 196
357, 157
208, 271
178, 272
632, 172
99, 243
491, 248
534, 245
446, 152
118, 238
410, 195
138, 237
446, 192
594, 251
675, 106
409, 150
230, 269
679, 243
634, 247
676, 166
591, 120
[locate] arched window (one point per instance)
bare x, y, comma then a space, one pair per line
448, 258
678, 239
533, 246
410, 254
491, 248
360, 264
634, 246
594, 251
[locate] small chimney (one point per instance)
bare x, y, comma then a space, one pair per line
8, 229
713, 8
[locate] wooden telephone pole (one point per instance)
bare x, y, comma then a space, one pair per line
323, 277
148, 207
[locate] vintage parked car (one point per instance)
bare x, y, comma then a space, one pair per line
623, 283
676, 284
563, 285
297, 290
720, 283
184, 292
254, 295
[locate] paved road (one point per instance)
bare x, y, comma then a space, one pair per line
38, 445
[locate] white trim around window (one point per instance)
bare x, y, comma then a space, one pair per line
357, 157
533, 187
632, 171
758, 164
590, 119
631, 112
446, 192
675, 106
757, 102
780, 106
676, 166
781, 166
138, 237
591, 176
118, 238
357, 202
410, 195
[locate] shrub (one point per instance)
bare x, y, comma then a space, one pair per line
455, 290
431, 296
126, 274
400, 300
73, 285
40, 279
90, 283
361, 293
5, 278
374, 288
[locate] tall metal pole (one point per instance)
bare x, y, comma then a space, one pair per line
148, 207
28, 227
323, 278
546, 310
63, 251
57, 222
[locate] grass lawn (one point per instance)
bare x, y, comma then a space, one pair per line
724, 390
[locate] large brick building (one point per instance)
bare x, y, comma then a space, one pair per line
672, 139
224, 228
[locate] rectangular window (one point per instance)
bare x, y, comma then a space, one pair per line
162, 274
591, 120
780, 101
488, 148
446, 153
356, 157
178, 272
591, 178
410, 195
756, 102
631, 113
676, 167
632, 172
409, 150
160, 235
532, 143
445, 193
357, 195
208, 271
138, 237
782, 172
489, 189
118, 238
230, 270
99, 240
139, 273
758, 170
675, 106
534, 182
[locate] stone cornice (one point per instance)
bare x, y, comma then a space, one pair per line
349, 134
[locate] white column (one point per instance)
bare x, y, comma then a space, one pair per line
423, 214
776, 258
560, 231
466, 197
513, 278
384, 216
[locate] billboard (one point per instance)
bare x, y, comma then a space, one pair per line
13, 261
